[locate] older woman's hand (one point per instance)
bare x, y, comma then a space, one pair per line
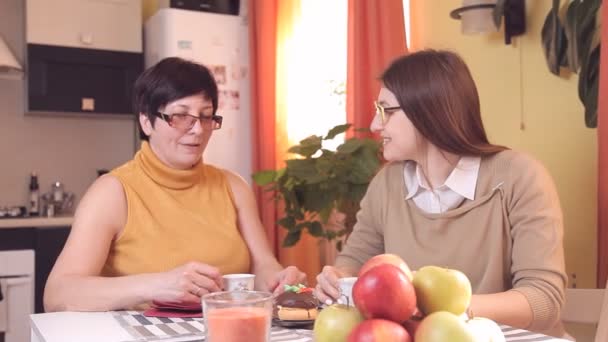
187, 283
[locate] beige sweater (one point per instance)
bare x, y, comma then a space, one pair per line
509, 237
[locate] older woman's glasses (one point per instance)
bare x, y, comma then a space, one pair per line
185, 122
383, 111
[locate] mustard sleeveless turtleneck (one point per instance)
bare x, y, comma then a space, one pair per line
175, 216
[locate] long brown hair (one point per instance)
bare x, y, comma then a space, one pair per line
438, 95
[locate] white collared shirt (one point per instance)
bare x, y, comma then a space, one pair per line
459, 185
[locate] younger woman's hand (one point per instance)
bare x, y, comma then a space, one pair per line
327, 290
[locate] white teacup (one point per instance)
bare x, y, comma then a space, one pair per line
238, 282
346, 290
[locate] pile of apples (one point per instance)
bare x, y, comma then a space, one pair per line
393, 304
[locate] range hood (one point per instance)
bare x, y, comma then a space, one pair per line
9, 67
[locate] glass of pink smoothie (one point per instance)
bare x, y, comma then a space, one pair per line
237, 316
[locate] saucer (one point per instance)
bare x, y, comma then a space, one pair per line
293, 324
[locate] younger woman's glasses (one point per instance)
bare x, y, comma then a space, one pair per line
383, 111
185, 122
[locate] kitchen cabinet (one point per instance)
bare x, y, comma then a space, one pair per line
49, 243
92, 24
82, 56
46, 242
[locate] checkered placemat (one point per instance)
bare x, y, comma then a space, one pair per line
143, 328
519, 335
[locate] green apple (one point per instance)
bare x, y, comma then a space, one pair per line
335, 322
442, 289
485, 330
443, 326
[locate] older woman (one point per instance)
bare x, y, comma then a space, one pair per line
164, 226
449, 197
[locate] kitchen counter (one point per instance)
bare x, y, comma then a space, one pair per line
37, 222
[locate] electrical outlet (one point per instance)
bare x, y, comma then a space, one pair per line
572, 280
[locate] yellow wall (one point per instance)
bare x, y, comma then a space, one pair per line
515, 86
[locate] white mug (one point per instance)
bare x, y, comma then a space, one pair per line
346, 290
238, 282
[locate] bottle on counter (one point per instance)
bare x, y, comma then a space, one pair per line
34, 208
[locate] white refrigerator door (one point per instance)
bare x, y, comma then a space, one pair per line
219, 42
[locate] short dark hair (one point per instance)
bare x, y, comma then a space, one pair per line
436, 91
171, 79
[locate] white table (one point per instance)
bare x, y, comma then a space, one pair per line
117, 326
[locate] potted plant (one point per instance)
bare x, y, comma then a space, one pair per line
320, 182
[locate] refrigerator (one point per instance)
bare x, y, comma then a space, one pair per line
220, 42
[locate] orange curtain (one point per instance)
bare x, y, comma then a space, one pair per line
262, 38
376, 35
271, 28
602, 136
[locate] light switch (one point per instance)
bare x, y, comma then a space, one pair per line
88, 104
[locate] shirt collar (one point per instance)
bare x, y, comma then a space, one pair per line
462, 180
411, 181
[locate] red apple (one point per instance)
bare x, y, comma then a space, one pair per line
391, 259
411, 325
335, 322
379, 330
385, 292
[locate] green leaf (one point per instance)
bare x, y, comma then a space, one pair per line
287, 222
350, 145
264, 177
301, 168
325, 164
303, 225
363, 167
292, 238
279, 174
316, 229
315, 200
337, 130
307, 147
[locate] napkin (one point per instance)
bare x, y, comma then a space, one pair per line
154, 312
174, 309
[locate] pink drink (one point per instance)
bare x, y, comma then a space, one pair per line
238, 316
238, 324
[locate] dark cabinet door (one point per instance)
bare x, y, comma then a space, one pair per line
75, 80
12, 239
49, 243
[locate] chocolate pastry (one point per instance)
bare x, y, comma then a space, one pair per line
296, 304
